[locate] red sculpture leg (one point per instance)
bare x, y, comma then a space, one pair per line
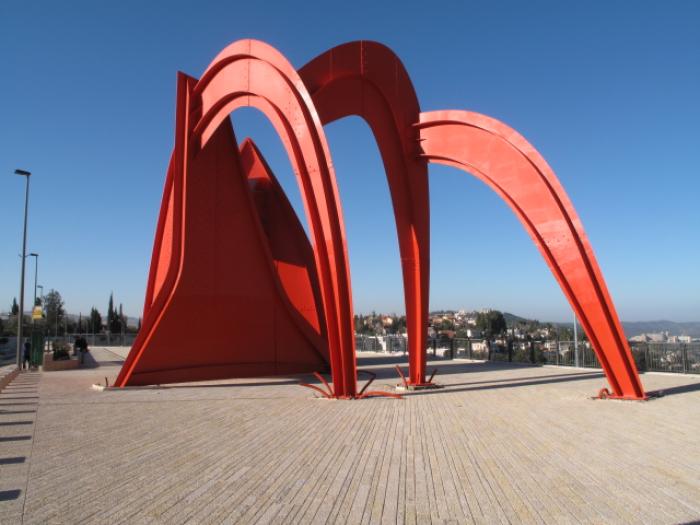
368, 80
167, 247
505, 161
254, 74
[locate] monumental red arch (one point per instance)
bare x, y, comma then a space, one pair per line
230, 252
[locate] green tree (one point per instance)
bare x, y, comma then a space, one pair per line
115, 317
54, 310
95, 321
14, 309
564, 333
110, 312
121, 320
358, 323
71, 326
446, 324
491, 323
10, 327
400, 324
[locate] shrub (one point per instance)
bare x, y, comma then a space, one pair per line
61, 351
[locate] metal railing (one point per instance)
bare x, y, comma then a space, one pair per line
667, 357
103, 339
649, 357
368, 343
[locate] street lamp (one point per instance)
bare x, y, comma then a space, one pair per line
20, 318
40, 287
36, 274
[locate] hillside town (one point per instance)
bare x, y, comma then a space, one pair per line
476, 324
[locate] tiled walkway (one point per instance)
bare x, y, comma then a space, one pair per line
19, 402
498, 444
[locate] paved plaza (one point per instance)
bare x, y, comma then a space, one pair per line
498, 444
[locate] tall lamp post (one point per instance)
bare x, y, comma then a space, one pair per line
20, 319
36, 274
41, 298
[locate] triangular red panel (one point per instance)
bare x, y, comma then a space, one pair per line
246, 300
290, 249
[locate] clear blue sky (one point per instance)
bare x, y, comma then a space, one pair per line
609, 92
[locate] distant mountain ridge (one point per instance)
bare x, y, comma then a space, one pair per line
633, 328
673, 328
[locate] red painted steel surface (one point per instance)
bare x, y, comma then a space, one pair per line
505, 161
234, 273
229, 250
290, 250
368, 80
254, 74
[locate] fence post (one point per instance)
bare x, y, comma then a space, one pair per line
452, 348
434, 346
646, 357
558, 351
684, 352
469, 348
532, 352
509, 342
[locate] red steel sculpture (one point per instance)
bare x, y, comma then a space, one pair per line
231, 253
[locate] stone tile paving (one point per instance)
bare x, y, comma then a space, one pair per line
498, 444
19, 403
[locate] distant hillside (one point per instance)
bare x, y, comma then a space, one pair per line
673, 328
633, 328
513, 319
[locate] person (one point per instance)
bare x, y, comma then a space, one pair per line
82, 345
27, 355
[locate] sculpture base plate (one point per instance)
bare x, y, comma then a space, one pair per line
421, 386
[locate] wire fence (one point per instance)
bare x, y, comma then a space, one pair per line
102, 339
652, 357
649, 357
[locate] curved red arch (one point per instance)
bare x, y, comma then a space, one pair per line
505, 161
367, 79
253, 73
